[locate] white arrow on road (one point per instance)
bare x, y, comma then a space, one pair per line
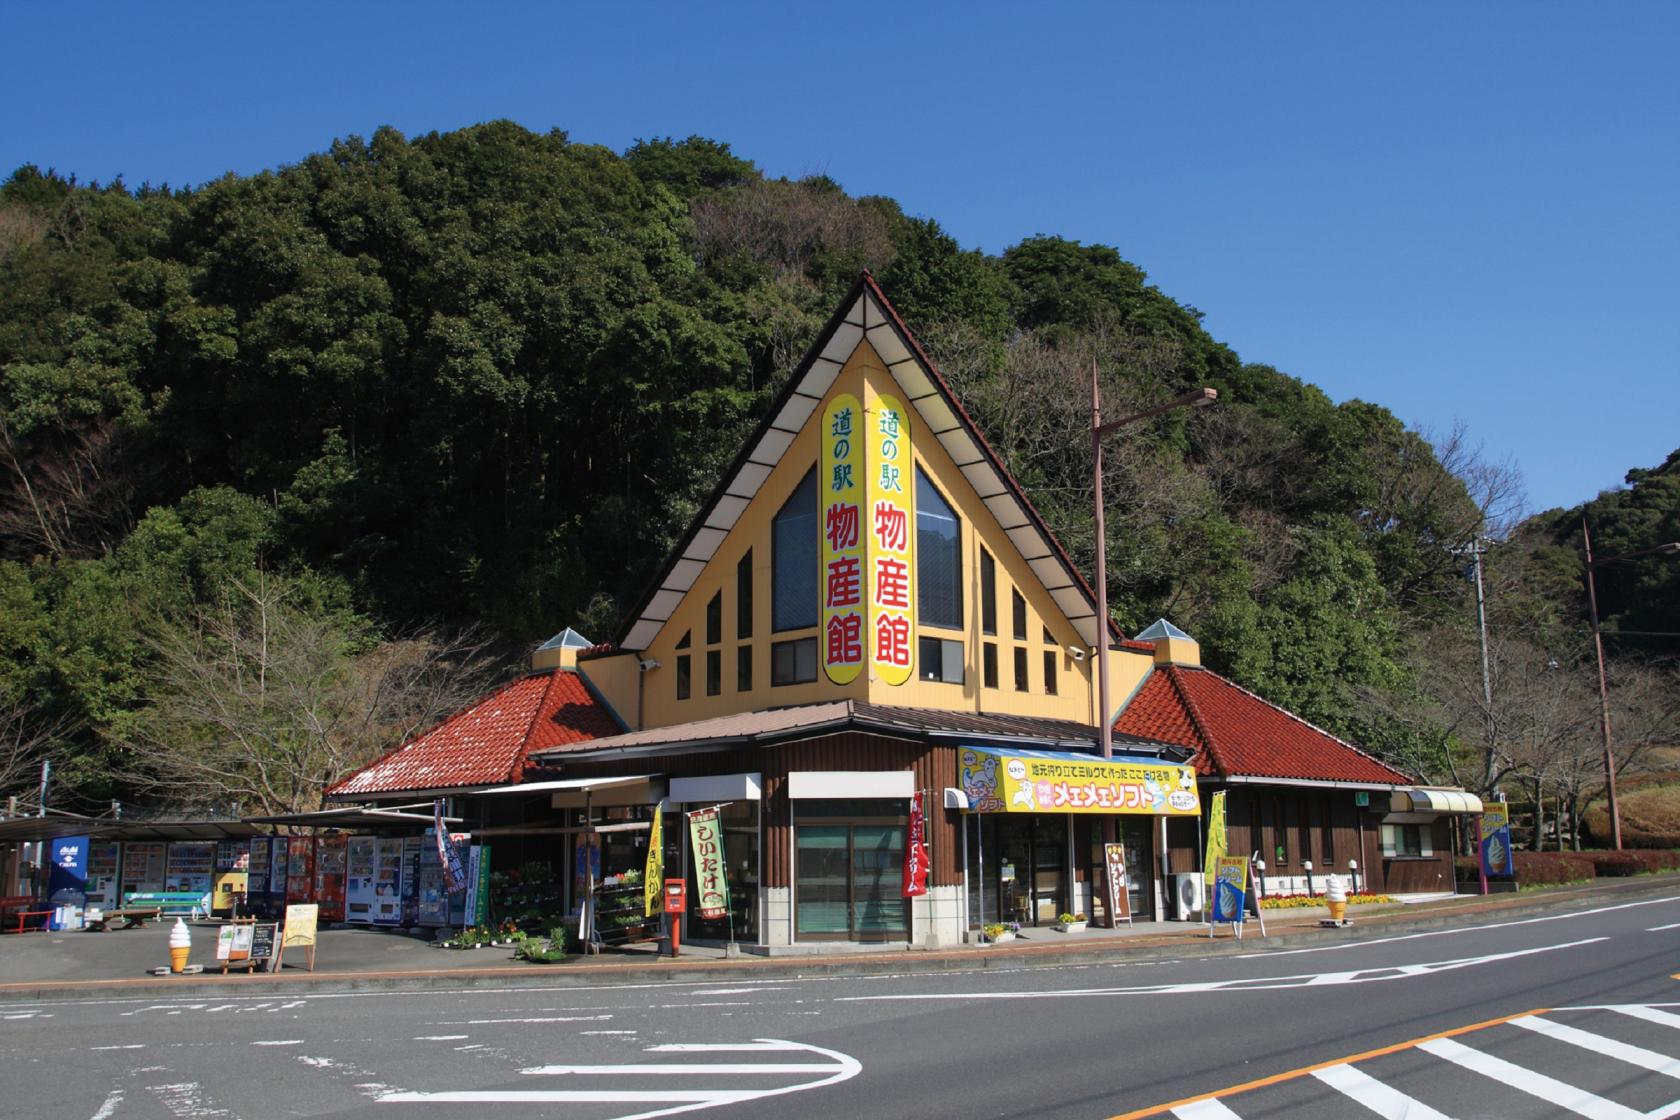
839, 1067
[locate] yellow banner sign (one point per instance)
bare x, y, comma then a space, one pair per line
842, 486
892, 542
998, 782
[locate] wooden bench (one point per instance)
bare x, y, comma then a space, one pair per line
186, 904
24, 907
131, 917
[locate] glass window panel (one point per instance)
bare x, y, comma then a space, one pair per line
793, 662
1050, 668
714, 672
989, 665
714, 619
1020, 669
793, 554
1018, 613
743, 669
988, 593
823, 904
684, 680
938, 558
743, 597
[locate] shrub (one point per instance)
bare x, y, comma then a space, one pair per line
1536, 869
1634, 838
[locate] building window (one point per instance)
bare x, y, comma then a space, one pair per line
940, 659
686, 640
793, 559
1049, 638
714, 672
988, 593
1405, 840
1018, 609
685, 682
714, 619
743, 669
938, 558
793, 662
988, 665
743, 597
1049, 672
1020, 668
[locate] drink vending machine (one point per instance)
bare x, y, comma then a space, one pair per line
330, 854
300, 868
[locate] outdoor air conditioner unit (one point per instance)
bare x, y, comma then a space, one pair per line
1187, 896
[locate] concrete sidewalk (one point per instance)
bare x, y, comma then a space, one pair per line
36, 966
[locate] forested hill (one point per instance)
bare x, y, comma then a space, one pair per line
404, 386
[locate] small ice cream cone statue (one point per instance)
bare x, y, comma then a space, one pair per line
1335, 896
180, 945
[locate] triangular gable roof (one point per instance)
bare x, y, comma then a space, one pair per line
1236, 734
865, 313
489, 741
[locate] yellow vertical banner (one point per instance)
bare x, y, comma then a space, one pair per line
892, 542
842, 486
653, 872
1215, 839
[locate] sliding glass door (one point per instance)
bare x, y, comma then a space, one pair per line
848, 870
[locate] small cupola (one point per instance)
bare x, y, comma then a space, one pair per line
560, 651
1172, 645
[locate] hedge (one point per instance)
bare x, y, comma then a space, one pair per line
1536, 869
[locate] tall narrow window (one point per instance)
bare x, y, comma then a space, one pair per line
743, 669
793, 559
1018, 612
988, 665
685, 682
1020, 668
988, 593
938, 558
743, 597
714, 672
1050, 672
714, 619
1049, 638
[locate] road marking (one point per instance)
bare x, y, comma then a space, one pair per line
737, 991
1649, 1014
539, 1019
839, 1067
278, 1042
1549, 1089
1598, 1044
186, 1100
1255, 984
596, 1032
112, 1100
1291, 1075
1205, 1110
1659, 929
444, 1037
127, 1046
1387, 1102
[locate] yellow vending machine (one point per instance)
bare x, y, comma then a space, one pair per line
232, 878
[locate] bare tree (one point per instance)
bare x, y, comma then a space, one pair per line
268, 702
26, 737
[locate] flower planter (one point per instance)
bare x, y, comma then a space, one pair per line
1006, 935
1070, 927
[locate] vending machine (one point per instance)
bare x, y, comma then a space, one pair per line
233, 877
360, 886
103, 862
432, 900
329, 877
192, 865
300, 868
143, 866
387, 882
256, 877
412, 847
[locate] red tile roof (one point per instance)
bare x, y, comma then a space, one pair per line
489, 742
1237, 734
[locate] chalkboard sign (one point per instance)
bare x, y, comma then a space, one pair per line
264, 935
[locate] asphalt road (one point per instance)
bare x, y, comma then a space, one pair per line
1567, 1014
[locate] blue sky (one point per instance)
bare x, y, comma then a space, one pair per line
1464, 212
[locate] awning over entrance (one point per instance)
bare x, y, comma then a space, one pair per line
1422, 800
1000, 780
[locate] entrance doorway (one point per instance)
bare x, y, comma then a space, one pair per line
1025, 874
848, 870
1137, 834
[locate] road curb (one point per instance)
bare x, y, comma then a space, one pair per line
1147, 949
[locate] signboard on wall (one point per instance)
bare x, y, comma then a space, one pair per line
998, 781
841, 484
892, 542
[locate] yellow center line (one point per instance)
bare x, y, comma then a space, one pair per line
1290, 1075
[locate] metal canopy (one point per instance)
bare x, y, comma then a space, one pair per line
1428, 800
108, 828
581, 785
355, 817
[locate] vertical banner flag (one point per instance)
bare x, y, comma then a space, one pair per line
842, 488
653, 875
1119, 891
1215, 840
915, 850
892, 543
449, 856
1496, 841
1230, 885
711, 886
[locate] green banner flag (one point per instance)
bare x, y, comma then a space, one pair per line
653, 875
705, 832
1215, 839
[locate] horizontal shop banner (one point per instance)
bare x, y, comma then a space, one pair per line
1021, 781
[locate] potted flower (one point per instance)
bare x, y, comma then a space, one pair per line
998, 932
1071, 923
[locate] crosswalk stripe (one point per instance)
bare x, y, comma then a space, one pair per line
1598, 1044
682, 1069
1649, 1014
575, 1096
1209, 1109
1384, 1100
1549, 1089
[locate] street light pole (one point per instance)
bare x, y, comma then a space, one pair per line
1194, 399
1603, 686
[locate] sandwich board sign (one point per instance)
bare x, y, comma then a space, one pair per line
302, 920
1119, 895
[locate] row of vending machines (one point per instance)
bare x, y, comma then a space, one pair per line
378, 881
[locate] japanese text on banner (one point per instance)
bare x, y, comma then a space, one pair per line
711, 884
840, 583
891, 515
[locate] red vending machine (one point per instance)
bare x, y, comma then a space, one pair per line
300, 869
329, 877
